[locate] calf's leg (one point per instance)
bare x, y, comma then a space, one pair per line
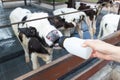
34, 59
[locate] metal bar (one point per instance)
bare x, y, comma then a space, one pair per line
53, 4
25, 2
9, 25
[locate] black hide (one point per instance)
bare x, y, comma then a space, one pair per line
102, 1
118, 27
57, 21
31, 32
89, 11
35, 45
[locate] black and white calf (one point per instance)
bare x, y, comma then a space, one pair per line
71, 20
109, 24
91, 12
110, 5
37, 37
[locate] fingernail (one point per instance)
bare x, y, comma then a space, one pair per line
83, 45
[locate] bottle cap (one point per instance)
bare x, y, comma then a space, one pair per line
61, 40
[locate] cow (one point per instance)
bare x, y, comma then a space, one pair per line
109, 24
111, 5
91, 12
37, 37
71, 18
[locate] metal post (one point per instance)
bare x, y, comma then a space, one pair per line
25, 1
71, 4
53, 4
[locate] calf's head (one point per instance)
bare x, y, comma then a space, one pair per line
59, 22
47, 32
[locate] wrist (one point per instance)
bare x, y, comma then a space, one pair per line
116, 53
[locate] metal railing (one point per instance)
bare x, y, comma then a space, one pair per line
9, 25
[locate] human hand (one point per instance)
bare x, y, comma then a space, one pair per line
102, 49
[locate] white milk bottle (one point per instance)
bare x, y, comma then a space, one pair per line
74, 46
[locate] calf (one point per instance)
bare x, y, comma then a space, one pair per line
109, 24
37, 37
91, 12
18, 15
71, 20
109, 4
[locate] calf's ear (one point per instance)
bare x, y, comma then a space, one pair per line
51, 20
23, 30
26, 32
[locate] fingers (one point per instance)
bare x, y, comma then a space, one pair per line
100, 49
101, 56
87, 43
90, 42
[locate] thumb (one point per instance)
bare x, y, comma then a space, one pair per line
84, 45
